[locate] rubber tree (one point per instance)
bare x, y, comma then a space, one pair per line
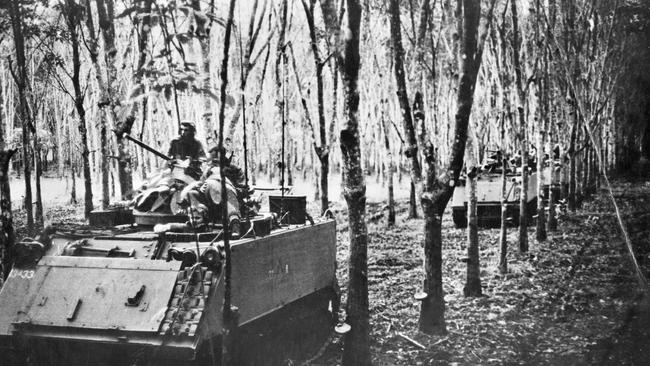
520, 94
504, 81
73, 13
390, 217
202, 31
7, 234
321, 148
143, 23
92, 44
106, 14
249, 60
22, 82
411, 150
473, 279
551, 222
357, 340
280, 76
542, 126
229, 317
438, 188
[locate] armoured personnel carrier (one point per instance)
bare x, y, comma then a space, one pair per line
555, 176
488, 192
142, 294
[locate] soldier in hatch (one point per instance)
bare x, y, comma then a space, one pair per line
203, 198
186, 146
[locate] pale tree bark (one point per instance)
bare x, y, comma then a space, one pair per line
73, 23
357, 340
38, 167
572, 156
540, 233
322, 149
203, 28
390, 169
503, 233
106, 24
144, 31
250, 60
73, 173
542, 126
92, 45
7, 235
411, 151
506, 115
280, 76
35, 102
473, 281
438, 188
21, 79
551, 218
332, 22
420, 43
523, 134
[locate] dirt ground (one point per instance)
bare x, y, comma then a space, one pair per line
572, 300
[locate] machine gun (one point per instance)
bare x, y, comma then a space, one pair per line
142, 145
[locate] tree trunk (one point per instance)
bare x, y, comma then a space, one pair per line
411, 150
69, 162
7, 234
521, 102
586, 165
279, 56
203, 33
229, 318
106, 24
103, 103
390, 219
552, 219
541, 130
572, 167
438, 190
506, 115
357, 340
473, 283
144, 10
542, 127
323, 150
289, 165
20, 77
38, 214
72, 23
503, 234
280, 83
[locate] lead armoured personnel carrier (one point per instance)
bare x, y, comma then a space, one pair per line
488, 192
131, 295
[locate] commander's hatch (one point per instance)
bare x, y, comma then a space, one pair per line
128, 295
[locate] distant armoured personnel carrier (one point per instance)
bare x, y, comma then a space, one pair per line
488, 192
131, 295
555, 176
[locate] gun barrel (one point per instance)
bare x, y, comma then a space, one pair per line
146, 147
